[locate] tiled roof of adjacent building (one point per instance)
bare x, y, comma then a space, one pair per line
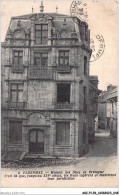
113, 94
105, 94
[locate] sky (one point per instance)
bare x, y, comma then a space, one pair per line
102, 20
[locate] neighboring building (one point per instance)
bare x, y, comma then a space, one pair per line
45, 86
112, 111
93, 106
103, 118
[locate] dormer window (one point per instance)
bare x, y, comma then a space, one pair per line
41, 34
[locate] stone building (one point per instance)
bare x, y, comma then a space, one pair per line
103, 110
45, 86
93, 107
112, 111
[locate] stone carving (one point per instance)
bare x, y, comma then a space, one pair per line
40, 73
46, 114
19, 42
36, 119
73, 62
62, 42
19, 34
55, 42
64, 34
40, 18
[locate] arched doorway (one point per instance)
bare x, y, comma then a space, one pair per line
36, 141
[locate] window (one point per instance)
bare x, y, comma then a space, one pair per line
16, 92
41, 59
18, 58
41, 34
85, 65
63, 133
15, 131
63, 92
64, 57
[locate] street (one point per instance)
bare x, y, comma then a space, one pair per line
102, 158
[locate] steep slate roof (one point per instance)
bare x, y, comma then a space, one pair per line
113, 94
58, 20
104, 96
27, 16
25, 24
59, 24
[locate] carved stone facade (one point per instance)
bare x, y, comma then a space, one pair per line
45, 90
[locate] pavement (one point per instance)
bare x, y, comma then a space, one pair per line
102, 158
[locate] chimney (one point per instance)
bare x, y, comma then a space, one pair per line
32, 10
19, 24
64, 23
56, 9
110, 88
41, 7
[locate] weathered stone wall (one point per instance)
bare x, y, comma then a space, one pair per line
76, 147
40, 86
102, 115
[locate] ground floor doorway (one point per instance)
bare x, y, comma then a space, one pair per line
36, 141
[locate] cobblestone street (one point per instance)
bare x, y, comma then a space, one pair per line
102, 153
102, 157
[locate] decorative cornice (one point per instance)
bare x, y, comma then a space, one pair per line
14, 118
46, 110
63, 119
15, 81
33, 125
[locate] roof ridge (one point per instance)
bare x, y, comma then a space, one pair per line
29, 15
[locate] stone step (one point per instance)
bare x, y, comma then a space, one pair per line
41, 158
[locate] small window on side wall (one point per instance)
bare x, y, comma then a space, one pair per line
85, 65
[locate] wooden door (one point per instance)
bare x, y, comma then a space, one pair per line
36, 141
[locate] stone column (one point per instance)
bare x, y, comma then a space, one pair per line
25, 137
51, 138
75, 153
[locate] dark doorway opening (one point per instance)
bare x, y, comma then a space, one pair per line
63, 93
36, 141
